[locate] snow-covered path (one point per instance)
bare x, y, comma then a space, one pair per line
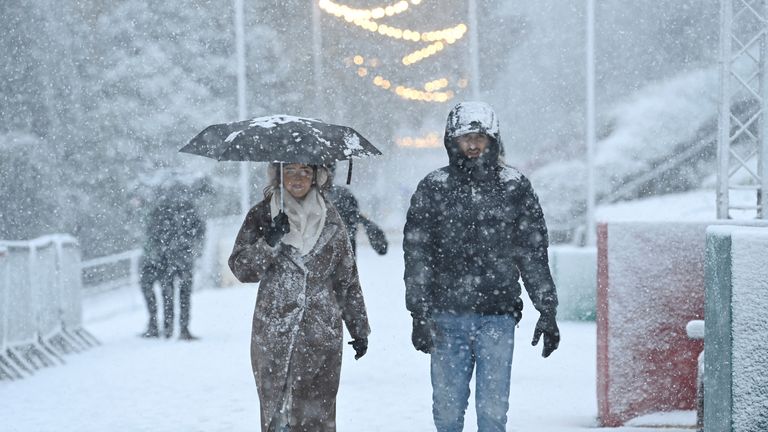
132, 384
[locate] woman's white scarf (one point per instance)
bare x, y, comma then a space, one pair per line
306, 216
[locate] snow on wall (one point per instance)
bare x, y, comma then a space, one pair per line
749, 329
650, 284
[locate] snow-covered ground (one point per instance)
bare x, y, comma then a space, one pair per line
133, 384
697, 205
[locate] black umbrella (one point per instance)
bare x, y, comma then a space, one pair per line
280, 138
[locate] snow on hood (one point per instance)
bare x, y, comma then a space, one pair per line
473, 117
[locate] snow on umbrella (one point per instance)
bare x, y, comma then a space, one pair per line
280, 138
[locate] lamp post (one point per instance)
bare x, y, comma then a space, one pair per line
474, 60
317, 46
590, 124
242, 110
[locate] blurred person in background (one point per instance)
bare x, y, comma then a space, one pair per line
349, 210
174, 237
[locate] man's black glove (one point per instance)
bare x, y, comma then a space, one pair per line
360, 346
547, 326
277, 229
422, 334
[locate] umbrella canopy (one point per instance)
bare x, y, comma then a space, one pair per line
280, 138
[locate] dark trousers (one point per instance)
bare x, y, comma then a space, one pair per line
167, 275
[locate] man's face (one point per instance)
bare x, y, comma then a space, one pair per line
473, 144
298, 179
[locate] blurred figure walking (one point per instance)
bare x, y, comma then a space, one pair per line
174, 235
349, 210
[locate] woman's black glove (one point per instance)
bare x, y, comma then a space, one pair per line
360, 346
277, 229
422, 334
547, 326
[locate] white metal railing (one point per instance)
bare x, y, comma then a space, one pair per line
40, 301
34, 283
111, 272
4, 283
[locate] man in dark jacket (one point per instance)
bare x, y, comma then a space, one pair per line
174, 236
349, 210
473, 229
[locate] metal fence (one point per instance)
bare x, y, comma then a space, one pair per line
111, 272
40, 300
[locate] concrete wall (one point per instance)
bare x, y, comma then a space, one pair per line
736, 333
574, 270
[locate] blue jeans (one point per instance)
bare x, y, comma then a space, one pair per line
461, 342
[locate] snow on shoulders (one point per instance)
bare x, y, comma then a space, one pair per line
509, 173
438, 175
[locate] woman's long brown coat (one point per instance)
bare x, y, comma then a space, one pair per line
296, 341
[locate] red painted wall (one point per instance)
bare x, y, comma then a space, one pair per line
650, 284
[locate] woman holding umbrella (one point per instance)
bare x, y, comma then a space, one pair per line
294, 243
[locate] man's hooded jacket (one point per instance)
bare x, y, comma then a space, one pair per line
473, 228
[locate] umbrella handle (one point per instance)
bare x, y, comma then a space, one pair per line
349, 172
282, 189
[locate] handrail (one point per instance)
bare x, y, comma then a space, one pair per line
39, 241
109, 259
131, 278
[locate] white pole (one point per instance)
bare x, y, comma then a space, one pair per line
242, 110
724, 113
474, 60
762, 150
590, 51
317, 47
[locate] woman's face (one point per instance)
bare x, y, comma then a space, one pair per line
297, 179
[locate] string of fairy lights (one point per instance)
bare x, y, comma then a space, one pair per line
430, 140
434, 90
430, 93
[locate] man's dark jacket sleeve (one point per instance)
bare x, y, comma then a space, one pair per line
417, 247
531, 252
